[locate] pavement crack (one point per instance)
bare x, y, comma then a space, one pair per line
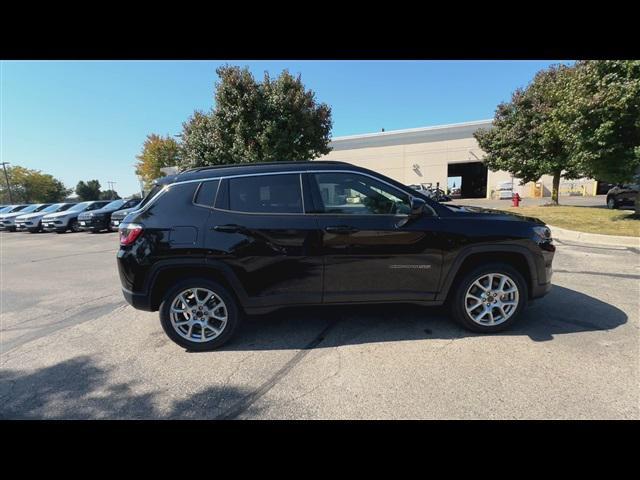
321, 382
245, 403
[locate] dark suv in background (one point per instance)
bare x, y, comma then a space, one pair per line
117, 217
624, 195
100, 219
210, 244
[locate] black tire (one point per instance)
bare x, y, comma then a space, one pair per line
73, 226
457, 300
234, 314
612, 204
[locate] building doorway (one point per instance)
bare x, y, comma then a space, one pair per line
472, 177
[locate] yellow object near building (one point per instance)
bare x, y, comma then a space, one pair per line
536, 190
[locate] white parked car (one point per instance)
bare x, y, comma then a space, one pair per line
32, 222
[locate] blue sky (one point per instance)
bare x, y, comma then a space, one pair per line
84, 120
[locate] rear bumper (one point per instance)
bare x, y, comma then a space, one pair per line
137, 300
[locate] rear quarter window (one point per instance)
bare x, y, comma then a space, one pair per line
206, 193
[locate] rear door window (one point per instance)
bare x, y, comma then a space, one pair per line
265, 194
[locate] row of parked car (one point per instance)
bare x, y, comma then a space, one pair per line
93, 216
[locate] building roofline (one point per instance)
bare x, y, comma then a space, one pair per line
413, 130
409, 136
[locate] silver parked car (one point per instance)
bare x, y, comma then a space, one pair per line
32, 222
8, 220
60, 222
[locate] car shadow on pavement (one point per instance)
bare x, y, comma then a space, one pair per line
562, 311
78, 388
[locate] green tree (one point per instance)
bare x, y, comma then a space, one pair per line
157, 152
88, 190
530, 134
32, 186
273, 120
109, 195
602, 106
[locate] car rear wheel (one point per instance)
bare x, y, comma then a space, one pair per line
611, 203
199, 314
489, 298
74, 226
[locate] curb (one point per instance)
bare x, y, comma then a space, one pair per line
595, 238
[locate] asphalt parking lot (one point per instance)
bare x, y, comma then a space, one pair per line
72, 348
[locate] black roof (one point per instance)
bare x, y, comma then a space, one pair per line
249, 168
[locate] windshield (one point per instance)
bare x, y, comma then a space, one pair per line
6, 209
78, 207
56, 207
114, 204
31, 208
16, 208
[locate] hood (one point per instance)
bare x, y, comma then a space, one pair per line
491, 214
59, 214
123, 213
30, 216
7, 216
101, 211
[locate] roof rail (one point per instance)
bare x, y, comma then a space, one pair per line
253, 164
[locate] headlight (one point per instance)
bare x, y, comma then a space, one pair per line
542, 234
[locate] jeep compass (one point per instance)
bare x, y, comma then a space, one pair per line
211, 244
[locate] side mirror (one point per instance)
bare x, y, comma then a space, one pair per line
417, 207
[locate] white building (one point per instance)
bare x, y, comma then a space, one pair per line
444, 155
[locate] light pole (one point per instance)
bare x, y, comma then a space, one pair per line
6, 177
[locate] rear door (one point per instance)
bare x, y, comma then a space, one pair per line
258, 227
369, 254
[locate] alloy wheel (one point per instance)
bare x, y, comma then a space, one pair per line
492, 299
198, 314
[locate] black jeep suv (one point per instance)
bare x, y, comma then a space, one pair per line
97, 220
210, 244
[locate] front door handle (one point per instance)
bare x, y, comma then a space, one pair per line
341, 229
231, 228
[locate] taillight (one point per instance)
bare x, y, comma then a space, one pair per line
129, 233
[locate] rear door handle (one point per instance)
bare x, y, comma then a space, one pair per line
341, 229
227, 228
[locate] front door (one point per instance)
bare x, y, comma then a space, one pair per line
369, 253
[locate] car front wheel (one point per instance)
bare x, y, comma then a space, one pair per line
199, 314
611, 203
489, 298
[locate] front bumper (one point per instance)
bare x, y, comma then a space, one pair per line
51, 225
94, 224
115, 222
545, 272
24, 226
7, 226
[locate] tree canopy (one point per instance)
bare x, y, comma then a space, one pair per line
109, 195
273, 120
88, 190
582, 120
602, 106
529, 138
31, 186
157, 152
